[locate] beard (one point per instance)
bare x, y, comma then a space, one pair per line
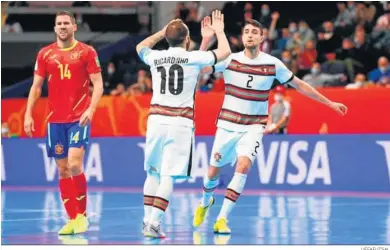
252, 46
64, 38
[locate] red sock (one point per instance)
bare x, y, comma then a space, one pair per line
68, 197
80, 183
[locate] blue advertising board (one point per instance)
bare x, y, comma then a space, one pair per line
294, 162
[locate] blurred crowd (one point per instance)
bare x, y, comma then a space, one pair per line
93, 22
351, 50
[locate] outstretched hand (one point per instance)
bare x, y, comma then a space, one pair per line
206, 31
218, 24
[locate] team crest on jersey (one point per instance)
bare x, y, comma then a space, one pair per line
217, 157
75, 55
59, 149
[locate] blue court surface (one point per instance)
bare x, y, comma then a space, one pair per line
34, 217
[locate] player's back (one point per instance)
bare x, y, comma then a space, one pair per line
175, 74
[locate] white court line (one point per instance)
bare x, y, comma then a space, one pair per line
43, 219
174, 207
60, 210
33, 219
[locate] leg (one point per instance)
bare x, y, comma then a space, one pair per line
210, 183
150, 189
68, 193
176, 162
161, 202
235, 186
153, 147
221, 155
57, 147
75, 162
246, 150
78, 141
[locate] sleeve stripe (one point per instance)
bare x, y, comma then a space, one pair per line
215, 57
289, 80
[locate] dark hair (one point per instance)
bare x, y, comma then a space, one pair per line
66, 13
176, 33
254, 23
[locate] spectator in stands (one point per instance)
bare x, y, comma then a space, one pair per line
292, 27
290, 63
308, 57
81, 25
12, 23
294, 42
196, 7
360, 39
266, 45
344, 18
349, 54
111, 77
273, 34
328, 40
305, 33
282, 42
181, 11
280, 112
347, 50
383, 22
334, 67
248, 7
318, 79
143, 84
369, 11
119, 90
352, 9
194, 25
383, 71
360, 81
265, 18
365, 14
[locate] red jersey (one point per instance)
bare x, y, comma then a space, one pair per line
67, 71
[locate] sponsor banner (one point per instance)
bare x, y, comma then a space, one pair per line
127, 116
307, 163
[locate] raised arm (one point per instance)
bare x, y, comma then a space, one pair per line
223, 50
150, 41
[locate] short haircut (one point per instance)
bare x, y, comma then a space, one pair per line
65, 13
176, 33
254, 23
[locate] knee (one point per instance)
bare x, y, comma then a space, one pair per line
167, 182
213, 173
63, 171
75, 166
243, 165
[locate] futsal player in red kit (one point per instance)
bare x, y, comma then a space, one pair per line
69, 66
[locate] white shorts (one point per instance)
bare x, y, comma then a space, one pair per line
229, 145
169, 150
